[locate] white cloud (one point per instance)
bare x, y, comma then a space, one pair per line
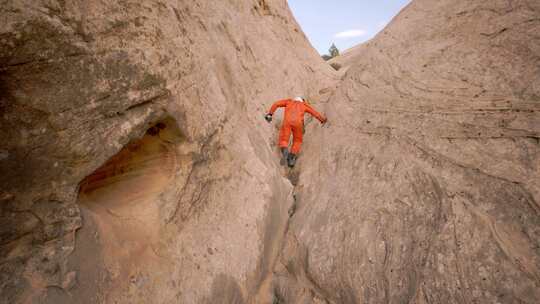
351, 34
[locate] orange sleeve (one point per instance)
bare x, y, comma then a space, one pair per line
278, 104
314, 113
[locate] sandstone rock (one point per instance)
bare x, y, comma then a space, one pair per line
136, 166
425, 187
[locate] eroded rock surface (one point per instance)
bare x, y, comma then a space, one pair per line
136, 166
425, 187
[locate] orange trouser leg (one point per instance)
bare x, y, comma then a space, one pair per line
298, 135
284, 135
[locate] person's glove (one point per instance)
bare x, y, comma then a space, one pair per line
268, 117
324, 120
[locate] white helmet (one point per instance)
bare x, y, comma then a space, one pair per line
299, 99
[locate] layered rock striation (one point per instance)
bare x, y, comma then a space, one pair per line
136, 164
137, 167
425, 187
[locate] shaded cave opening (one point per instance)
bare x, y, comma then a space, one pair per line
121, 203
129, 183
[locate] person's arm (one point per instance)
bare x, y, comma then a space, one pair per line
278, 104
315, 114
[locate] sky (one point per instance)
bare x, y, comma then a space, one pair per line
343, 22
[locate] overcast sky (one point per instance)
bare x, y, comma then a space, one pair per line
344, 22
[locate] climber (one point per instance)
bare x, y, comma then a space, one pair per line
293, 121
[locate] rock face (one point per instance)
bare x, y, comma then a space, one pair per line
137, 168
425, 188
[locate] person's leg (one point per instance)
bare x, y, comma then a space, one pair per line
298, 136
284, 135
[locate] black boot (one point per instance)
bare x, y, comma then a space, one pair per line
285, 154
291, 160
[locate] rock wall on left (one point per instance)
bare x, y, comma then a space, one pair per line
85, 84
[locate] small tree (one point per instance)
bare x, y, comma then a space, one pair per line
334, 52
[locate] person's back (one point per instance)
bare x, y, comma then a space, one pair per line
293, 122
294, 112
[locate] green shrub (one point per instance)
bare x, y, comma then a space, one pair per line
333, 51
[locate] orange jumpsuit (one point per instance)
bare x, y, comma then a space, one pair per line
294, 122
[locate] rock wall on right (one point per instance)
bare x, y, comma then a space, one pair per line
425, 185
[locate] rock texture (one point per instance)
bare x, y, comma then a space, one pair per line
136, 166
425, 188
